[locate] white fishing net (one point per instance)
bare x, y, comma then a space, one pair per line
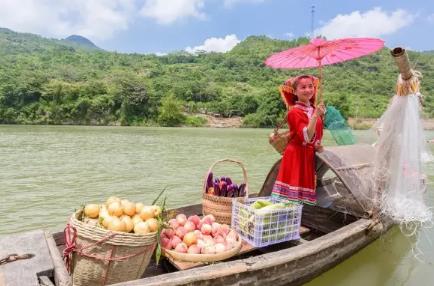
401, 153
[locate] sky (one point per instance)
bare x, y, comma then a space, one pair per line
163, 26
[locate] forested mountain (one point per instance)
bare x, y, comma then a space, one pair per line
47, 81
82, 41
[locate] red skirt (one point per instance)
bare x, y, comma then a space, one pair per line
296, 179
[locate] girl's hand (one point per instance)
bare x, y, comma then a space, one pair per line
320, 109
319, 148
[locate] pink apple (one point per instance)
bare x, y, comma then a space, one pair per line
181, 219
194, 249
182, 247
195, 219
206, 229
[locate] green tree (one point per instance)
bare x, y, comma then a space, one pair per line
171, 112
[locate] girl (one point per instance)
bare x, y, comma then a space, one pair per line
296, 179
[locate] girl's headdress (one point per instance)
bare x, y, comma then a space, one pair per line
287, 89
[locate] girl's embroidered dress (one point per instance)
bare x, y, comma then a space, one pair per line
296, 180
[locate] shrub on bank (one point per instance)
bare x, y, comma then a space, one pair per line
171, 112
195, 121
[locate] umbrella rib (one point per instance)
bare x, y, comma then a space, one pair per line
290, 60
349, 55
341, 59
360, 54
306, 62
277, 59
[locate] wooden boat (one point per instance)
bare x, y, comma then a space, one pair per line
329, 235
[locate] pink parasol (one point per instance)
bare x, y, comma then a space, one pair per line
320, 52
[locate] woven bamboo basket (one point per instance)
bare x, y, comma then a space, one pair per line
279, 140
221, 207
188, 257
102, 257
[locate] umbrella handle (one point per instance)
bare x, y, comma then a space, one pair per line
319, 98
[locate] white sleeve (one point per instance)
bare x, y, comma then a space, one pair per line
306, 137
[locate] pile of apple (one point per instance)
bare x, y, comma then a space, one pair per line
123, 215
198, 236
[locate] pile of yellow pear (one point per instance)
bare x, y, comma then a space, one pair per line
125, 216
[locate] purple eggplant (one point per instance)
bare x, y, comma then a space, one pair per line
236, 193
230, 188
223, 189
229, 181
230, 193
242, 190
234, 190
209, 180
216, 187
235, 186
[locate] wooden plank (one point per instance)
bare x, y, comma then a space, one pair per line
61, 275
324, 220
304, 230
354, 167
26, 271
59, 238
2, 279
302, 241
45, 281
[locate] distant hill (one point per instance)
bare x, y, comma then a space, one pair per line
13, 43
49, 81
83, 41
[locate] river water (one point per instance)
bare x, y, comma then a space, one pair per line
46, 172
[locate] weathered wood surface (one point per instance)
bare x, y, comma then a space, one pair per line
26, 271
293, 266
61, 275
324, 220
352, 164
351, 197
45, 281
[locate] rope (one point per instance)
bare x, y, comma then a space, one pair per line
14, 257
70, 245
70, 234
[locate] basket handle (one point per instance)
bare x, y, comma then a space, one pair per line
239, 163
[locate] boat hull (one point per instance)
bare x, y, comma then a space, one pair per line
292, 266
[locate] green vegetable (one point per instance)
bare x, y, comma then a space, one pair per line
269, 209
260, 204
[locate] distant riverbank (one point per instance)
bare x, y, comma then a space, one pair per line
237, 122
366, 123
355, 123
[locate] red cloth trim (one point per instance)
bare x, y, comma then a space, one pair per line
294, 193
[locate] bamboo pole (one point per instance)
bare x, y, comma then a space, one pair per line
401, 59
408, 82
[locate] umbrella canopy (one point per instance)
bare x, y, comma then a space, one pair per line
320, 52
